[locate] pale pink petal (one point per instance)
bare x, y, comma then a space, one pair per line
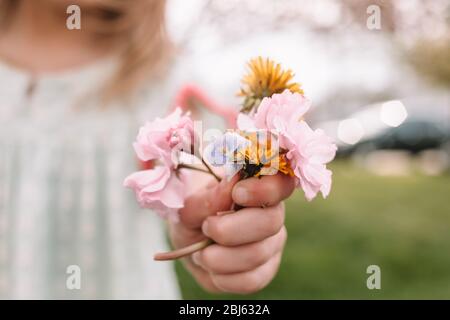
160, 176
280, 110
244, 122
158, 139
308, 153
156, 177
172, 195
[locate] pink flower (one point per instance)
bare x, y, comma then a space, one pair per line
158, 189
276, 112
161, 188
160, 138
308, 151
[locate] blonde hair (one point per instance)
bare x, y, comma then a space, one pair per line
136, 28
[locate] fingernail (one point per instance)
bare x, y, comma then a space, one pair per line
241, 195
196, 258
205, 228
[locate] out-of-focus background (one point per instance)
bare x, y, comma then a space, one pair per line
383, 94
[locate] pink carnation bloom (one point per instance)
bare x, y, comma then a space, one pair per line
160, 188
280, 110
160, 138
308, 151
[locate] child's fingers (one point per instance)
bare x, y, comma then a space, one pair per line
264, 191
181, 236
248, 281
219, 259
244, 226
206, 202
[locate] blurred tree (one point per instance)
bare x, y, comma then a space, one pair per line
432, 58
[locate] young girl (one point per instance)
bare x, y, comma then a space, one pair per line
71, 102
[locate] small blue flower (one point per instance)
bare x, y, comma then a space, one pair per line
223, 151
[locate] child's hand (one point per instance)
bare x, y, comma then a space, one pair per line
249, 242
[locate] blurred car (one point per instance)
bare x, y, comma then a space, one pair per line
412, 124
412, 135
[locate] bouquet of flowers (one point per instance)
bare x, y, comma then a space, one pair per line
272, 136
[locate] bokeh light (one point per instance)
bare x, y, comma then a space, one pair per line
350, 131
393, 113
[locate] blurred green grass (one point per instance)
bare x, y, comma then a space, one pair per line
401, 224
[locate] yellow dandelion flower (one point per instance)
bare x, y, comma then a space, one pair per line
284, 166
260, 158
265, 77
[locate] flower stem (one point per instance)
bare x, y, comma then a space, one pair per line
179, 253
207, 170
211, 171
187, 166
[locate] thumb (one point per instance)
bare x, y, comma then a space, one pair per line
207, 202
